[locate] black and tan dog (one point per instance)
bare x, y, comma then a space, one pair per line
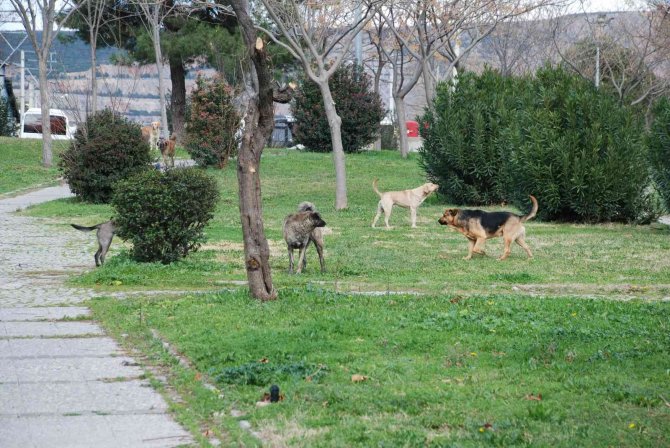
105, 233
478, 226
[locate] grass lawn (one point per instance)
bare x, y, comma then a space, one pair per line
452, 352
583, 260
440, 370
21, 164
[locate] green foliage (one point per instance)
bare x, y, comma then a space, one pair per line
20, 164
581, 153
658, 140
358, 106
212, 124
106, 149
7, 124
465, 149
164, 214
442, 370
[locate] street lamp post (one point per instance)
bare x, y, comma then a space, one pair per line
601, 22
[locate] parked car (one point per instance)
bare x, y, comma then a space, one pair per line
282, 134
61, 128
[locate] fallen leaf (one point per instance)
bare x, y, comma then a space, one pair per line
532, 397
356, 378
260, 404
198, 376
264, 360
208, 433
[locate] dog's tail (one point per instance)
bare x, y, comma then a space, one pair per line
374, 187
306, 207
533, 211
86, 229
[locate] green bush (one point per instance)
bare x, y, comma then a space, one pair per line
106, 149
7, 123
464, 148
358, 106
492, 139
658, 140
579, 151
212, 123
163, 214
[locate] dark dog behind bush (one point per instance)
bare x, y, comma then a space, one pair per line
298, 229
105, 233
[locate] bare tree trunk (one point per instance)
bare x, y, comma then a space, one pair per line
47, 155
161, 82
401, 114
335, 125
259, 121
428, 84
178, 97
94, 71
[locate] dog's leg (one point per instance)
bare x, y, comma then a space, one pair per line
508, 247
290, 260
97, 256
301, 258
412, 214
304, 260
471, 246
104, 241
479, 246
521, 242
379, 213
319, 250
387, 214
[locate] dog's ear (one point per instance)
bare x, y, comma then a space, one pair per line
452, 211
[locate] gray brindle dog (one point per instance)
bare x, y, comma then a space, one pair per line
316, 237
105, 233
298, 229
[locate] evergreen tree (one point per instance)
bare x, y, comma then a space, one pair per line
359, 107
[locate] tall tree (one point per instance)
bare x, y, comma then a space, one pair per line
320, 37
36, 16
258, 124
153, 12
190, 31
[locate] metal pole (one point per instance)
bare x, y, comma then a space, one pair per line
597, 66
358, 42
23, 91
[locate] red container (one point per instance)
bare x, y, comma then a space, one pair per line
412, 129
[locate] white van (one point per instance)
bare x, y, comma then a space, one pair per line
61, 129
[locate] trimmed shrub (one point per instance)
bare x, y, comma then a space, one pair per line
493, 139
358, 106
658, 140
163, 214
463, 149
106, 149
580, 152
212, 124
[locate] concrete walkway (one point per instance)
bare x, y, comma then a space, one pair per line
64, 383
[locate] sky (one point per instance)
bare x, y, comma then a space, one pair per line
587, 5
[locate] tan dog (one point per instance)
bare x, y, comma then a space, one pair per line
478, 226
167, 148
411, 199
150, 133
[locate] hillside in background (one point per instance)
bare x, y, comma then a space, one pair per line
133, 90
